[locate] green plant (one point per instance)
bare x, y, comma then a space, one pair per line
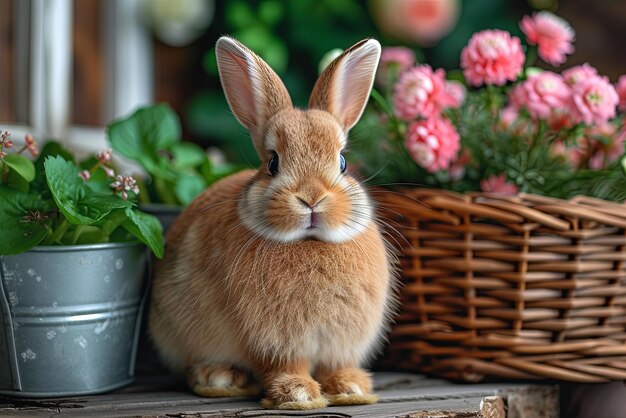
178, 170
54, 201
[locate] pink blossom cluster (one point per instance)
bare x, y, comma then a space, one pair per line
124, 184
433, 143
5, 143
597, 148
492, 57
498, 184
579, 95
552, 35
419, 92
420, 96
102, 158
29, 144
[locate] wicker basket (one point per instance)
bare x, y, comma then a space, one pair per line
517, 287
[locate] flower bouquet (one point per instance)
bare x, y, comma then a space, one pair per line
502, 276
500, 125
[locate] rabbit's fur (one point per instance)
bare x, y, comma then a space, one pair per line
274, 276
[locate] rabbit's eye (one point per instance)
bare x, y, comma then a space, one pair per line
272, 165
342, 163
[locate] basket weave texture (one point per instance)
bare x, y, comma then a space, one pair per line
517, 287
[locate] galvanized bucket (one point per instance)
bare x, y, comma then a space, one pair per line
70, 318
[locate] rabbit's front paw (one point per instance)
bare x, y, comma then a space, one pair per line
349, 386
289, 391
218, 380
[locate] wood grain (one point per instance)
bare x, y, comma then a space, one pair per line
402, 394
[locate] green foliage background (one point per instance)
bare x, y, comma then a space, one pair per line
292, 36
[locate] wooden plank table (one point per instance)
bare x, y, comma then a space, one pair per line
402, 395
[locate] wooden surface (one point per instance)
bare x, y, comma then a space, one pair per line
404, 395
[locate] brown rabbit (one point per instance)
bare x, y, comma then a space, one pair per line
273, 275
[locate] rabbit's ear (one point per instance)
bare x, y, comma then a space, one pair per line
253, 90
344, 87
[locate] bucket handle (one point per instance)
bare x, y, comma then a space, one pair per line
9, 332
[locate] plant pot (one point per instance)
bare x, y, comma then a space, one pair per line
167, 214
70, 318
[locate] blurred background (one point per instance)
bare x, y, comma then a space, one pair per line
68, 67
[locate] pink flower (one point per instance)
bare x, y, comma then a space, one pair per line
433, 143
104, 156
31, 145
541, 94
85, 175
593, 101
552, 35
419, 92
578, 73
621, 92
508, 116
600, 146
2, 155
605, 143
492, 57
108, 170
457, 169
560, 118
5, 140
420, 21
453, 94
394, 61
123, 185
498, 184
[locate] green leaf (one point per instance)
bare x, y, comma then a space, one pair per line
188, 155
51, 148
17, 182
20, 232
147, 229
188, 187
141, 136
21, 165
79, 204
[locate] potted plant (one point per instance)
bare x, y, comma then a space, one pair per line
508, 187
72, 260
178, 170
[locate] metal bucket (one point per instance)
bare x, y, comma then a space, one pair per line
70, 318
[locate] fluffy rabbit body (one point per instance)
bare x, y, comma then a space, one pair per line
277, 275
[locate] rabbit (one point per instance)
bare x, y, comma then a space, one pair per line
279, 280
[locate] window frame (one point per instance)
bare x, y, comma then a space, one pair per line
128, 53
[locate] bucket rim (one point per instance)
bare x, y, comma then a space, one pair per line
83, 247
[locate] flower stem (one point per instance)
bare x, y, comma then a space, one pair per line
58, 232
5, 172
382, 103
531, 57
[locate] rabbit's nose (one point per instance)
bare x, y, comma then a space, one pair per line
311, 203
